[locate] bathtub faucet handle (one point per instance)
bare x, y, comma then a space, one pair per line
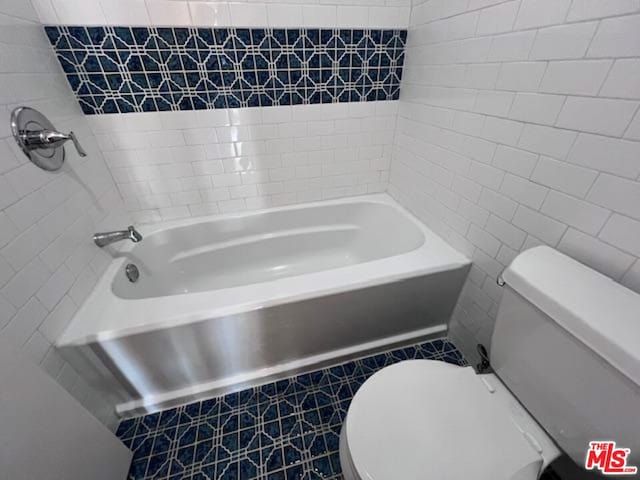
107, 238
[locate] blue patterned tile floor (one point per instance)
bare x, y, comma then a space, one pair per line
289, 429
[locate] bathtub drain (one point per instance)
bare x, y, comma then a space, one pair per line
132, 272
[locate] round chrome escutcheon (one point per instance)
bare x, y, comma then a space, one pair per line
24, 120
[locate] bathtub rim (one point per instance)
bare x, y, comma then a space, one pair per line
102, 301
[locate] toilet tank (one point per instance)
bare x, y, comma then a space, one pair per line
567, 344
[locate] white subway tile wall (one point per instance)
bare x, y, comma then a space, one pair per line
518, 126
171, 165
48, 264
247, 13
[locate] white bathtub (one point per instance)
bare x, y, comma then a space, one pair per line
229, 301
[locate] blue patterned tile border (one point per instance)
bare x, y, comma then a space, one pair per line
143, 69
283, 430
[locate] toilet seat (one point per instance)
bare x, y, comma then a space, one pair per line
425, 419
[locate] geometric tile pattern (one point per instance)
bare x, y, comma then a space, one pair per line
288, 429
143, 69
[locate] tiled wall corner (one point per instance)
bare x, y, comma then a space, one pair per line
519, 125
48, 264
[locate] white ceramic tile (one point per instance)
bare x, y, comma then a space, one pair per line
623, 80
319, 15
506, 255
512, 47
486, 175
493, 102
78, 12
8, 231
579, 214
469, 123
516, 161
83, 285
521, 76
506, 232
631, 279
210, 14
497, 19
633, 131
579, 77
536, 108
26, 179
523, 191
46, 13
24, 247
616, 193
385, 17
595, 253
484, 240
606, 154
8, 159
55, 288
563, 176
25, 283
352, 15
539, 225
475, 50
28, 210
503, 131
541, 13
588, 9
547, 140
481, 76
597, 115
563, 42
21, 10
24, 323
281, 15
467, 188
497, 203
37, 347
7, 195
6, 272
168, 12
125, 12
622, 232
619, 37
486, 263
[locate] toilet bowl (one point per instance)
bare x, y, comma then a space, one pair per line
566, 356
423, 419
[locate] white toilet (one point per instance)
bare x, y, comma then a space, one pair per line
566, 356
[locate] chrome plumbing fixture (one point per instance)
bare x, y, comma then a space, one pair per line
39, 139
107, 238
132, 272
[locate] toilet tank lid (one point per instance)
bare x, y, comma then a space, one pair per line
601, 313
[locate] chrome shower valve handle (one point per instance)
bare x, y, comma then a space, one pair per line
40, 140
44, 139
76, 143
